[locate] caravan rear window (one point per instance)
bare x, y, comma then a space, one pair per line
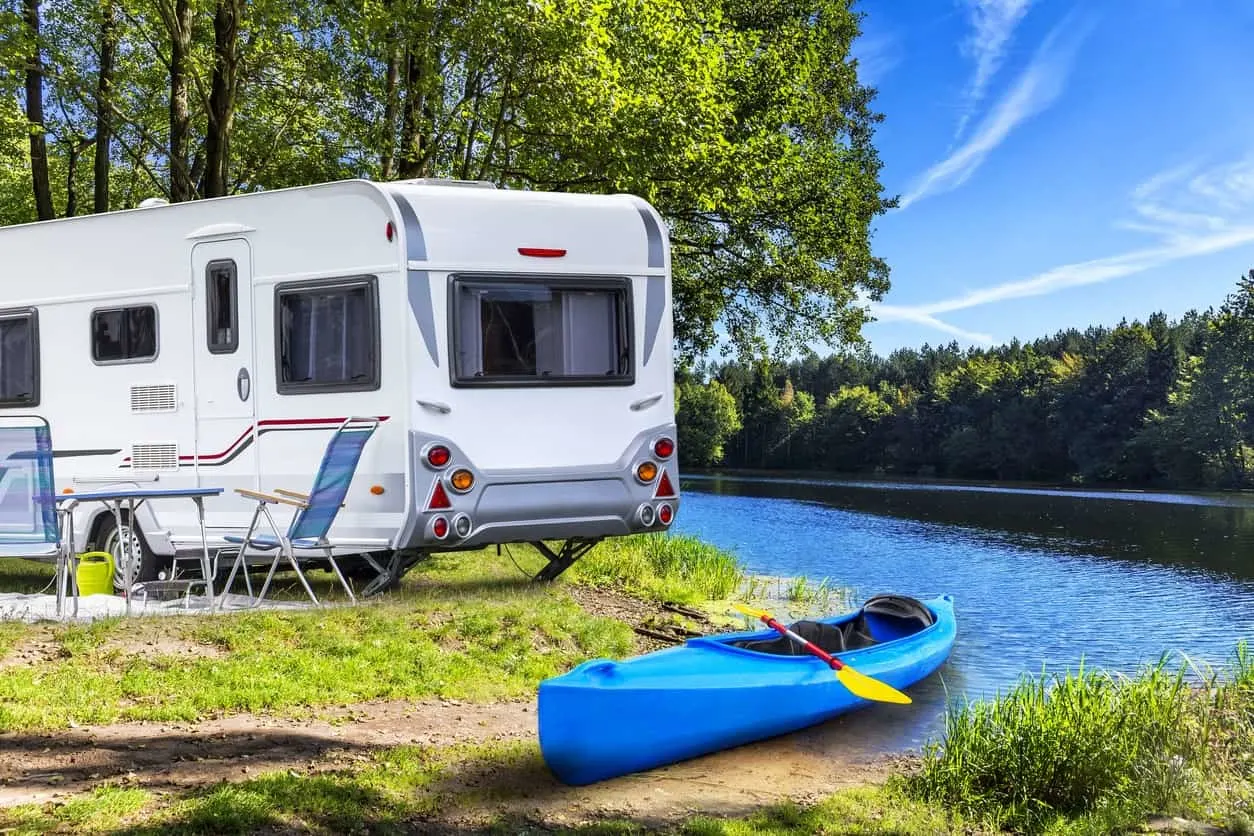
511, 331
328, 336
19, 358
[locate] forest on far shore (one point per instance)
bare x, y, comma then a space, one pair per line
1153, 404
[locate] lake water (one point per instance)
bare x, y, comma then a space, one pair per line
1041, 577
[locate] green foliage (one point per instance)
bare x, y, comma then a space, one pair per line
1093, 747
744, 123
1153, 404
707, 416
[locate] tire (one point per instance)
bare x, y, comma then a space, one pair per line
151, 567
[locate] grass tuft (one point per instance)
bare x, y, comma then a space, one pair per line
662, 567
1095, 750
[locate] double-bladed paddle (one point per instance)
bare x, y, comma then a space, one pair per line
860, 685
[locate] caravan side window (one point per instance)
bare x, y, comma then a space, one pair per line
124, 335
327, 336
19, 358
221, 307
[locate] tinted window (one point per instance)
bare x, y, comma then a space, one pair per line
328, 337
19, 359
537, 331
221, 307
124, 334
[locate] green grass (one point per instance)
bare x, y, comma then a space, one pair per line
467, 625
1095, 752
661, 567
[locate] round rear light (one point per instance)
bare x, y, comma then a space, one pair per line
438, 455
462, 480
461, 525
439, 527
645, 471
665, 514
646, 515
664, 448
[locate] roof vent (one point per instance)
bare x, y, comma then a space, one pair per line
439, 181
149, 202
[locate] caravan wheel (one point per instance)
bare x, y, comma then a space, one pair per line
111, 541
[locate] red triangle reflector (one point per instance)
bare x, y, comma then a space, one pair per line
439, 499
664, 487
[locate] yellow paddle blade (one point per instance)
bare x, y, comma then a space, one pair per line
751, 611
861, 685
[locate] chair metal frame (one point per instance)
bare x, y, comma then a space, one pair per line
315, 513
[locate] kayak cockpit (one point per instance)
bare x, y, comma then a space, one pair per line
882, 618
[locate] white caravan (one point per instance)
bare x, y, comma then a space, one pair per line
523, 337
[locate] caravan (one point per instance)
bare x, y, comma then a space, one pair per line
515, 347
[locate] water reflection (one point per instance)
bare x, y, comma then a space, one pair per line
1040, 578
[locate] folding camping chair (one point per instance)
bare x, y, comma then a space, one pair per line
315, 513
30, 522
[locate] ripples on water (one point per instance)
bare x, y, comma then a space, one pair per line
1041, 578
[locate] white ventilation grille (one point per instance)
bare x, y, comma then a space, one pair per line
155, 456
161, 397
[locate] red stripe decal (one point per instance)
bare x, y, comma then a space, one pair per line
270, 422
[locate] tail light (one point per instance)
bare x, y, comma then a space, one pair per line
646, 471
462, 480
438, 456
645, 514
665, 514
664, 448
461, 525
439, 527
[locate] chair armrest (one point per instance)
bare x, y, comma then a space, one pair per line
270, 498
293, 494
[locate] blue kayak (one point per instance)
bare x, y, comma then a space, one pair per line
606, 718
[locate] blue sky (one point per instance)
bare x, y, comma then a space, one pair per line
1060, 162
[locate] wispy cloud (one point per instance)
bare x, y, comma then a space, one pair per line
1036, 88
877, 53
993, 23
1188, 210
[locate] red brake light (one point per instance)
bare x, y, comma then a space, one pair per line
664, 515
541, 252
663, 487
663, 448
439, 498
438, 456
389, 230
440, 527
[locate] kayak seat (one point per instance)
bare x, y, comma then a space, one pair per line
882, 618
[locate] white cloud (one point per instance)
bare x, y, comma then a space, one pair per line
993, 23
877, 53
1189, 213
1036, 88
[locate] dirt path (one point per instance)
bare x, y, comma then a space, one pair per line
166, 757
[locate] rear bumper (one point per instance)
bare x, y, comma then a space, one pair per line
518, 506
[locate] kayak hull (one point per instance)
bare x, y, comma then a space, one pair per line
607, 718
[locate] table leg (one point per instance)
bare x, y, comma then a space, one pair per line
205, 568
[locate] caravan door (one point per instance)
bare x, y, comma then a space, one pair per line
222, 327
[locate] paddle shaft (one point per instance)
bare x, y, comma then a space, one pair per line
809, 645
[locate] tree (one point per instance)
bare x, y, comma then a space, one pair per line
706, 416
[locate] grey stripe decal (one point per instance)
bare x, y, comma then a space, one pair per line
654, 303
415, 245
422, 309
657, 256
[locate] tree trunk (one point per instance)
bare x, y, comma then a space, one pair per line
104, 124
222, 94
411, 129
180, 122
35, 116
387, 162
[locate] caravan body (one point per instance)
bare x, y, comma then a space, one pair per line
524, 337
